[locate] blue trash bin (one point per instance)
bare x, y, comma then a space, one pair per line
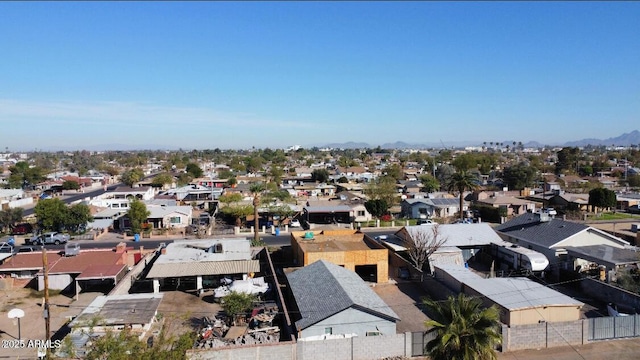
11, 241
277, 231
136, 237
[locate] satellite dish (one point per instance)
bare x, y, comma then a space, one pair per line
15, 314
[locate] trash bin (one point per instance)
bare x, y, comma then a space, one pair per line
277, 231
136, 237
11, 241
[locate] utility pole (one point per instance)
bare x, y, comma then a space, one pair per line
47, 317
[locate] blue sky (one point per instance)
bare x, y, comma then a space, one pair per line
197, 75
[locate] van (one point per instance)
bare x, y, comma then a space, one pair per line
71, 249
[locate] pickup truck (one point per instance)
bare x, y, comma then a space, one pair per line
55, 238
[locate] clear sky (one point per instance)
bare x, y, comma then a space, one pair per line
197, 75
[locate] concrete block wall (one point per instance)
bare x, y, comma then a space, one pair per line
567, 333
625, 300
335, 349
544, 335
378, 347
280, 351
522, 337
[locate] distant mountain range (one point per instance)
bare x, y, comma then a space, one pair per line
626, 139
632, 138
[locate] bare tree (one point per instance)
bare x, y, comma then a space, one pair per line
421, 242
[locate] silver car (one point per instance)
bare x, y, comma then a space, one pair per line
49, 238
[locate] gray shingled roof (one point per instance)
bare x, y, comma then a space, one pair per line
323, 289
528, 227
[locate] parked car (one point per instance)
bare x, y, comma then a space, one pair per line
295, 223
635, 209
403, 273
22, 229
424, 222
49, 238
551, 211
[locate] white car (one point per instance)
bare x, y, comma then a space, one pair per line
295, 223
551, 211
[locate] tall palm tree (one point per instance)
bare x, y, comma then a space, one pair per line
464, 330
461, 181
256, 191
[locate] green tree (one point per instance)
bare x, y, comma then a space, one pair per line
602, 198
320, 175
70, 185
230, 198
237, 211
464, 330
132, 176
137, 215
377, 207
77, 216
237, 303
343, 180
23, 175
162, 179
125, 345
9, 217
429, 183
51, 214
383, 188
462, 181
567, 160
194, 170
395, 171
225, 174
519, 176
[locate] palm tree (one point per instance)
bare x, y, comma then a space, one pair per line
256, 190
462, 181
464, 330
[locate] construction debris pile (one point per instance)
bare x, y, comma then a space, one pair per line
258, 330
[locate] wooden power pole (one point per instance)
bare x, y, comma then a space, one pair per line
47, 315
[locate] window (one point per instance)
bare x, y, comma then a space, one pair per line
328, 331
175, 219
360, 213
374, 333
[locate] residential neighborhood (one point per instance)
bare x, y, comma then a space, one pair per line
361, 257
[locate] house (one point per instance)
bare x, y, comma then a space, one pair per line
511, 205
567, 201
202, 263
552, 237
469, 239
331, 214
334, 302
349, 248
520, 301
113, 313
170, 216
88, 269
195, 193
411, 186
432, 207
125, 192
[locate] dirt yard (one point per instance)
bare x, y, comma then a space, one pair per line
32, 325
183, 312
403, 298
